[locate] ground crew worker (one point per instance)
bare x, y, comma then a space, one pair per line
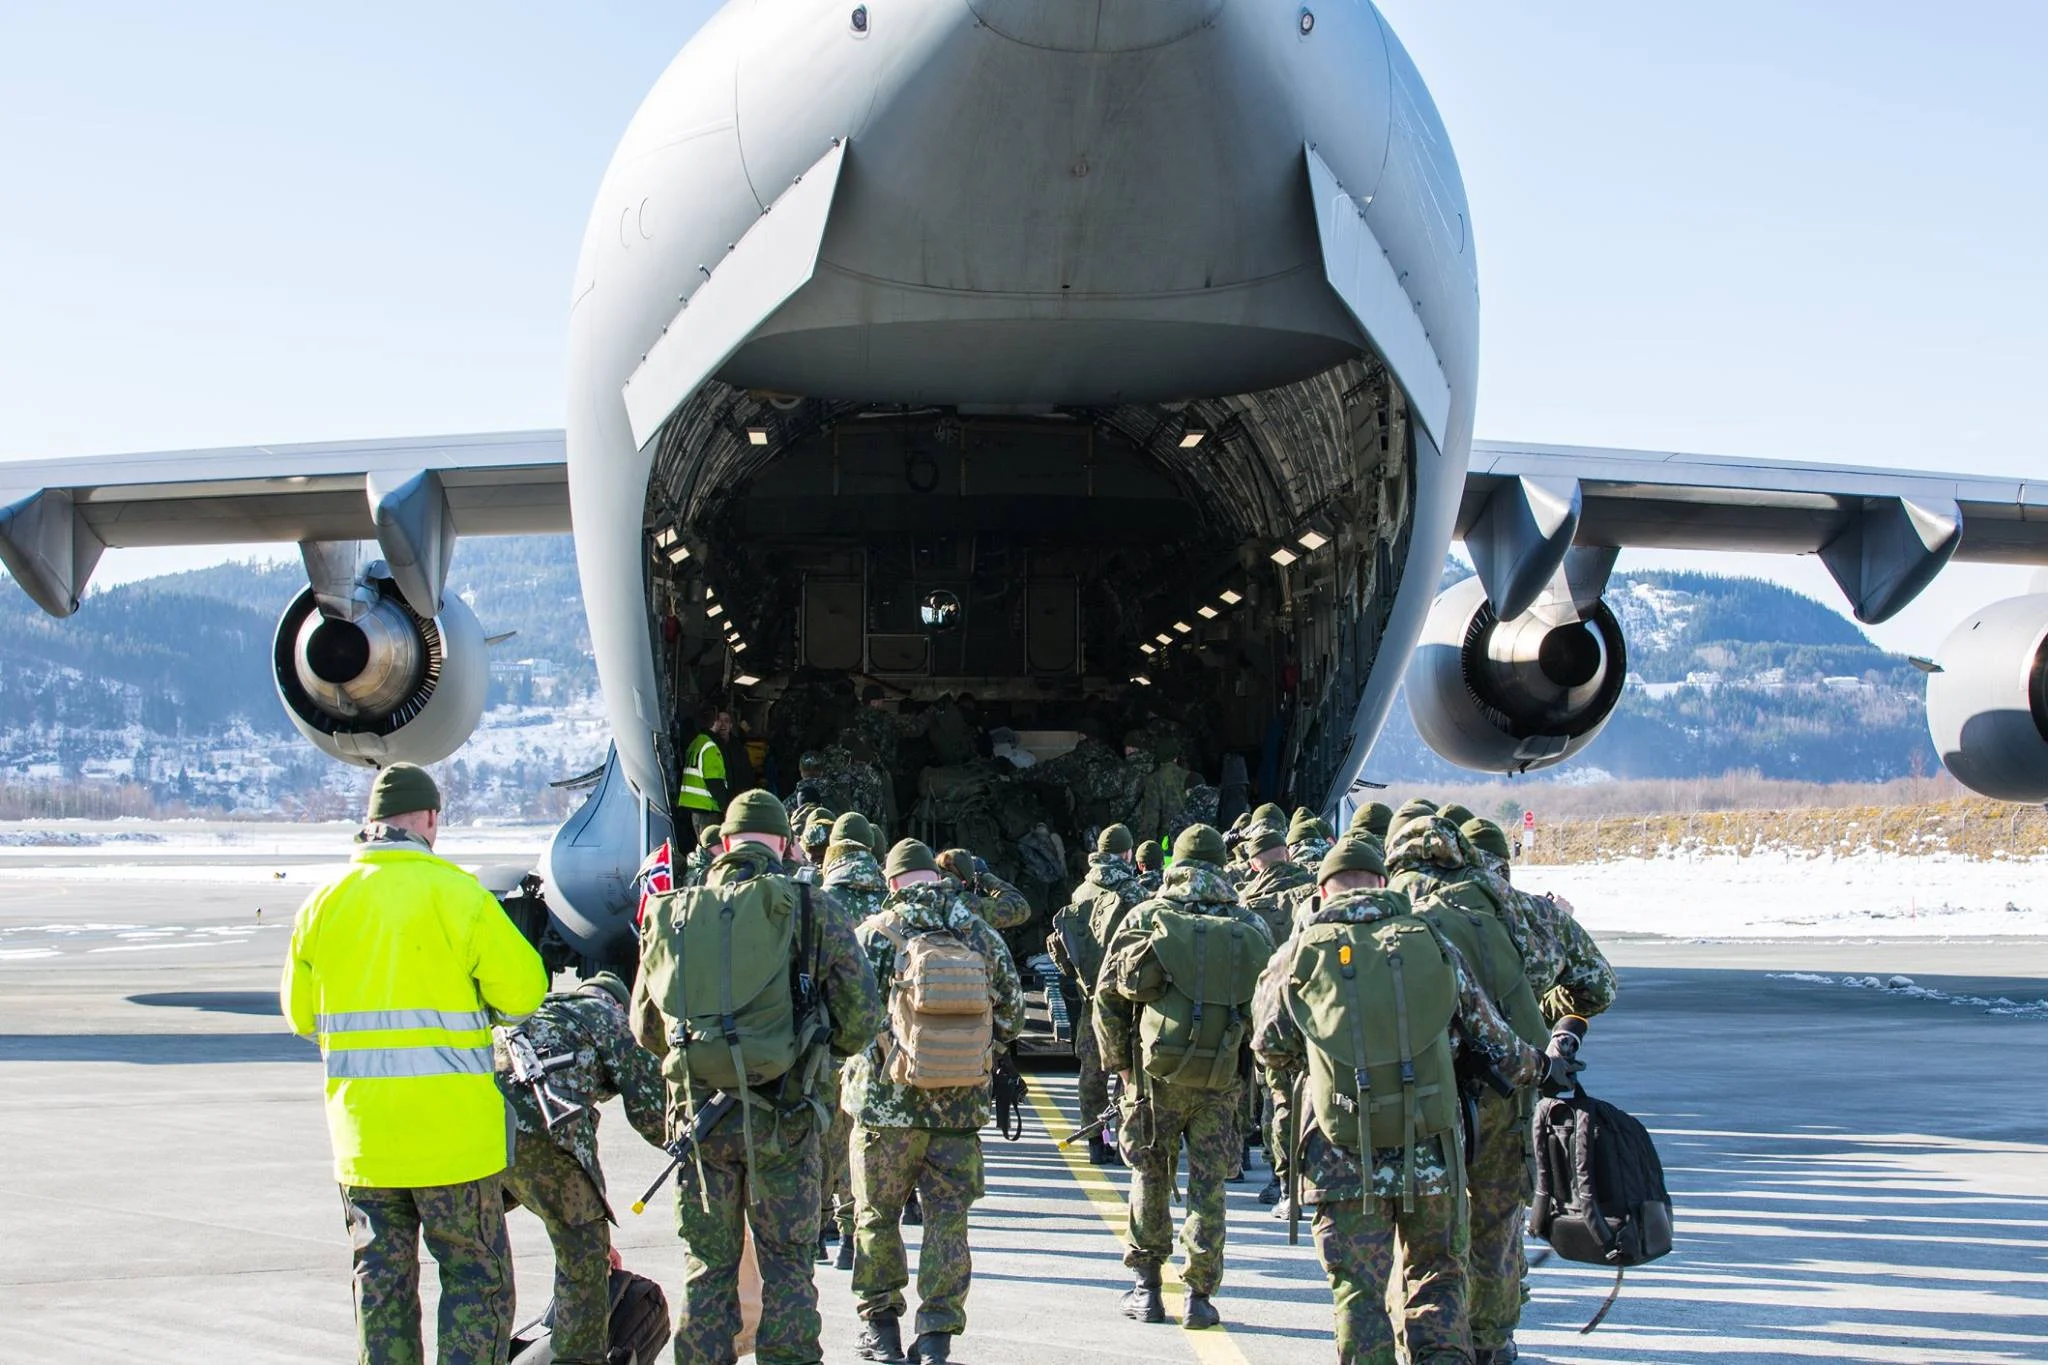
912, 1132
1159, 1112
759, 1169
855, 880
555, 1170
702, 792
398, 965
1372, 1199
1081, 933
1438, 869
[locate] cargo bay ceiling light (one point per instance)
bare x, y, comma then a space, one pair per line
1230, 598
1312, 540
1163, 638
678, 553
746, 680
1193, 437
714, 611
666, 537
1284, 556
739, 646
1206, 613
757, 435
1141, 680
1148, 649
1183, 627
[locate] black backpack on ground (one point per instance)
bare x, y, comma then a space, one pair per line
639, 1326
1600, 1195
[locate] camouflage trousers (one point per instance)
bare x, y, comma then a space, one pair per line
1154, 1126
944, 1167
464, 1228
1094, 1084
1501, 1185
835, 1203
777, 1198
553, 1184
1357, 1241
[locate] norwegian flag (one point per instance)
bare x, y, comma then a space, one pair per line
655, 876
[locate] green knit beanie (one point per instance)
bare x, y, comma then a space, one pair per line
1373, 819
402, 789
1115, 839
909, 856
854, 828
756, 812
1487, 837
1201, 844
1353, 853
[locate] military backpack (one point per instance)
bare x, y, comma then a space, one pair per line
1193, 1031
1375, 1002
723, 965
941, 1012
1467, 917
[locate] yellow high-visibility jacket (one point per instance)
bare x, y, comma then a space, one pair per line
703, 764
398, 966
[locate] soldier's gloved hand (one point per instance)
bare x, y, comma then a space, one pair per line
1566, 1035
980, 866
1561, 1058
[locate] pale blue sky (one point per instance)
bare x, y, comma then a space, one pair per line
1808, 231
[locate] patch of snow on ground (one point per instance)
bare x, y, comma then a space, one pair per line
1905, 986
1788, 895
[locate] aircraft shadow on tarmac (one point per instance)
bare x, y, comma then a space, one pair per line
156, 1049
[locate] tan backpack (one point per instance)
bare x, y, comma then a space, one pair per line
941, 1014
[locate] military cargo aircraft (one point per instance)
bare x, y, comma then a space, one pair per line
1057, 351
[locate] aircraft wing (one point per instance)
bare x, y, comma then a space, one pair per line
57, 515
1882, 533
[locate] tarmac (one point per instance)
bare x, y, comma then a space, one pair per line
1859, 1173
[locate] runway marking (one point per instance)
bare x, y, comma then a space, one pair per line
1212, 1347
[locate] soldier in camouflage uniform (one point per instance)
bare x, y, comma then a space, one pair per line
995, 900
726, 1190
556, 1173
1575, 977
1081, 935
816, 836
697, 863
1156, 1117
1265, 826
1437, 867
1151, 860
1270, 893
1367, 1209
1308, 838
855, 880
906, 1138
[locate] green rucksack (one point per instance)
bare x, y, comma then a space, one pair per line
1466, 915
1192, 1033
721, 964
1375, 1002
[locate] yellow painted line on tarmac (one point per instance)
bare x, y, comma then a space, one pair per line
1213, 1346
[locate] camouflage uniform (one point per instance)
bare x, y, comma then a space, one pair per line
1093, 917
854, 783
1360, 1219
925, 1140
1157, 1114
697, 864
557, 1174
1271, 894
464, 1227
719, 1195
1001, 906
855, 880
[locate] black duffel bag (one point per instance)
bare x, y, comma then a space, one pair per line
1600, 1195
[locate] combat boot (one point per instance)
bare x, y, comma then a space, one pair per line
1272, 1191
823, 1255
845, 1261
1499, 1355
933, 1348
1098, 1151
1142, 1303
1199, 1313
913, 1212
880, 1339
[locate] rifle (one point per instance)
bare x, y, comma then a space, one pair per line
1295, 1099
680, 1149
1105, 1122
532, 1070
1010, 1096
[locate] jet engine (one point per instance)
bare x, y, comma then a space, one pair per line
1509, 696
372, 682
1987, 700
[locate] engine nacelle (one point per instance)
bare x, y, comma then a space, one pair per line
390, 686
1987, 709
1509, 696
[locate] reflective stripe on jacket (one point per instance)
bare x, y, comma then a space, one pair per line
397, 965
703, 764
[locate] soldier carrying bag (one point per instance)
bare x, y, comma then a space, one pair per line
638, 1333
941, 1012
1192, 1033
1600, 1194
